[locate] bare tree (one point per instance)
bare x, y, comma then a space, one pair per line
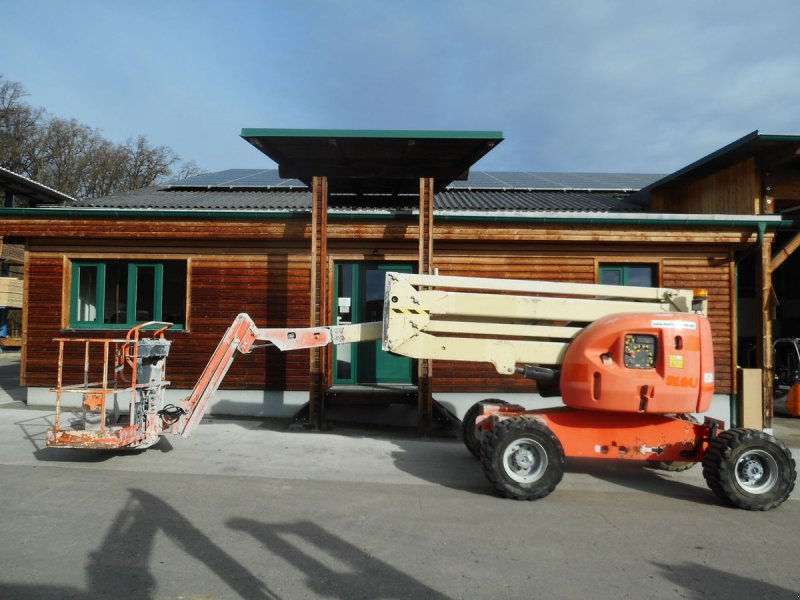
75, 158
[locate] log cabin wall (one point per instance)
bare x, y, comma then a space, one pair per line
686, 267
735, 190
263, 268
269, 282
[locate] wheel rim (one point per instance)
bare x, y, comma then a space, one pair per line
525, 460
756, 471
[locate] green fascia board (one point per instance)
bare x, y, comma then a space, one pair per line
381, 216
372, 134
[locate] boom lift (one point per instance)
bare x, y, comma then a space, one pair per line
631, 364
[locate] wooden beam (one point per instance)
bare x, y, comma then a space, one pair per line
425, 267
785, 253
764, 276
319, 295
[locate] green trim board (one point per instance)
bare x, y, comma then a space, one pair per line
373, 133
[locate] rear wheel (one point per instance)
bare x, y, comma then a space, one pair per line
522, 458
675, 466
472, 443
749, 469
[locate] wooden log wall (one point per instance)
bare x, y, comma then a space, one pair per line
264, 270
735, 190
273, 287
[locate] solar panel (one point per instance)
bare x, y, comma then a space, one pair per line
555, 181
238, 178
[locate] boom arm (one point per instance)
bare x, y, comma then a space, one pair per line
242, 336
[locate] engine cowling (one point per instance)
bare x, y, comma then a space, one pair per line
633, 362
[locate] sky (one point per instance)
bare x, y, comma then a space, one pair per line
627, 86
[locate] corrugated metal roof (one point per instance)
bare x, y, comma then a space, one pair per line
489, 192
526, 200
209, 199
300, 200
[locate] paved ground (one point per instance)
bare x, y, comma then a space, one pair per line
247, 509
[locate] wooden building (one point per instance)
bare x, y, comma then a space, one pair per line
758, 174
309, 244
17, 192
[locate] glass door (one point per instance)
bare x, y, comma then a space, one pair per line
359, 299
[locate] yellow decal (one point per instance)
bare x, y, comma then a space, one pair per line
675, 361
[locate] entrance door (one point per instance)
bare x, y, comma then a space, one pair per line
359, 299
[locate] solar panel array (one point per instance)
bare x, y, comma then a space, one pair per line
269, 178
261, 178
555, 181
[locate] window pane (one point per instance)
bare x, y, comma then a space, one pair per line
610, 276
375, 283
641, 275
116, 293
145, 293
344, 293
87, 294
173, 301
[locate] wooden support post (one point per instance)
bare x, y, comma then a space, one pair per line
765, 316
765, 279
319, 295
425, 367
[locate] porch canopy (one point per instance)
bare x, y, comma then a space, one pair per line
373, 161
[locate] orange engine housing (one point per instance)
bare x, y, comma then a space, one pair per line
646, 363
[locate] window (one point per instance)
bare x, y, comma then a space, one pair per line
641, 275
119, 294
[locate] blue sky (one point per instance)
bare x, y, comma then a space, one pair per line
574, 85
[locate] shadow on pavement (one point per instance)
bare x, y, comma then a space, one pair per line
640, 477
333, 567
10, 390
34, 430
122, 566
702, 582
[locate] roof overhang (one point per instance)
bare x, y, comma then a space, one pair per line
373, 161
38, 193
771, 152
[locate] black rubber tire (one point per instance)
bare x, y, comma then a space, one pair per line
676, 466
472, 443
749, 469
535, 449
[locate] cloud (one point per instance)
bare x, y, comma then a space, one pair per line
575, 86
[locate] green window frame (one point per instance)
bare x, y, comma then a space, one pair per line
635, 274
118, 294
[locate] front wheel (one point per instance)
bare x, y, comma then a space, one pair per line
749, 469
522, 458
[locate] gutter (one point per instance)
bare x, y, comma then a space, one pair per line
653, 219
